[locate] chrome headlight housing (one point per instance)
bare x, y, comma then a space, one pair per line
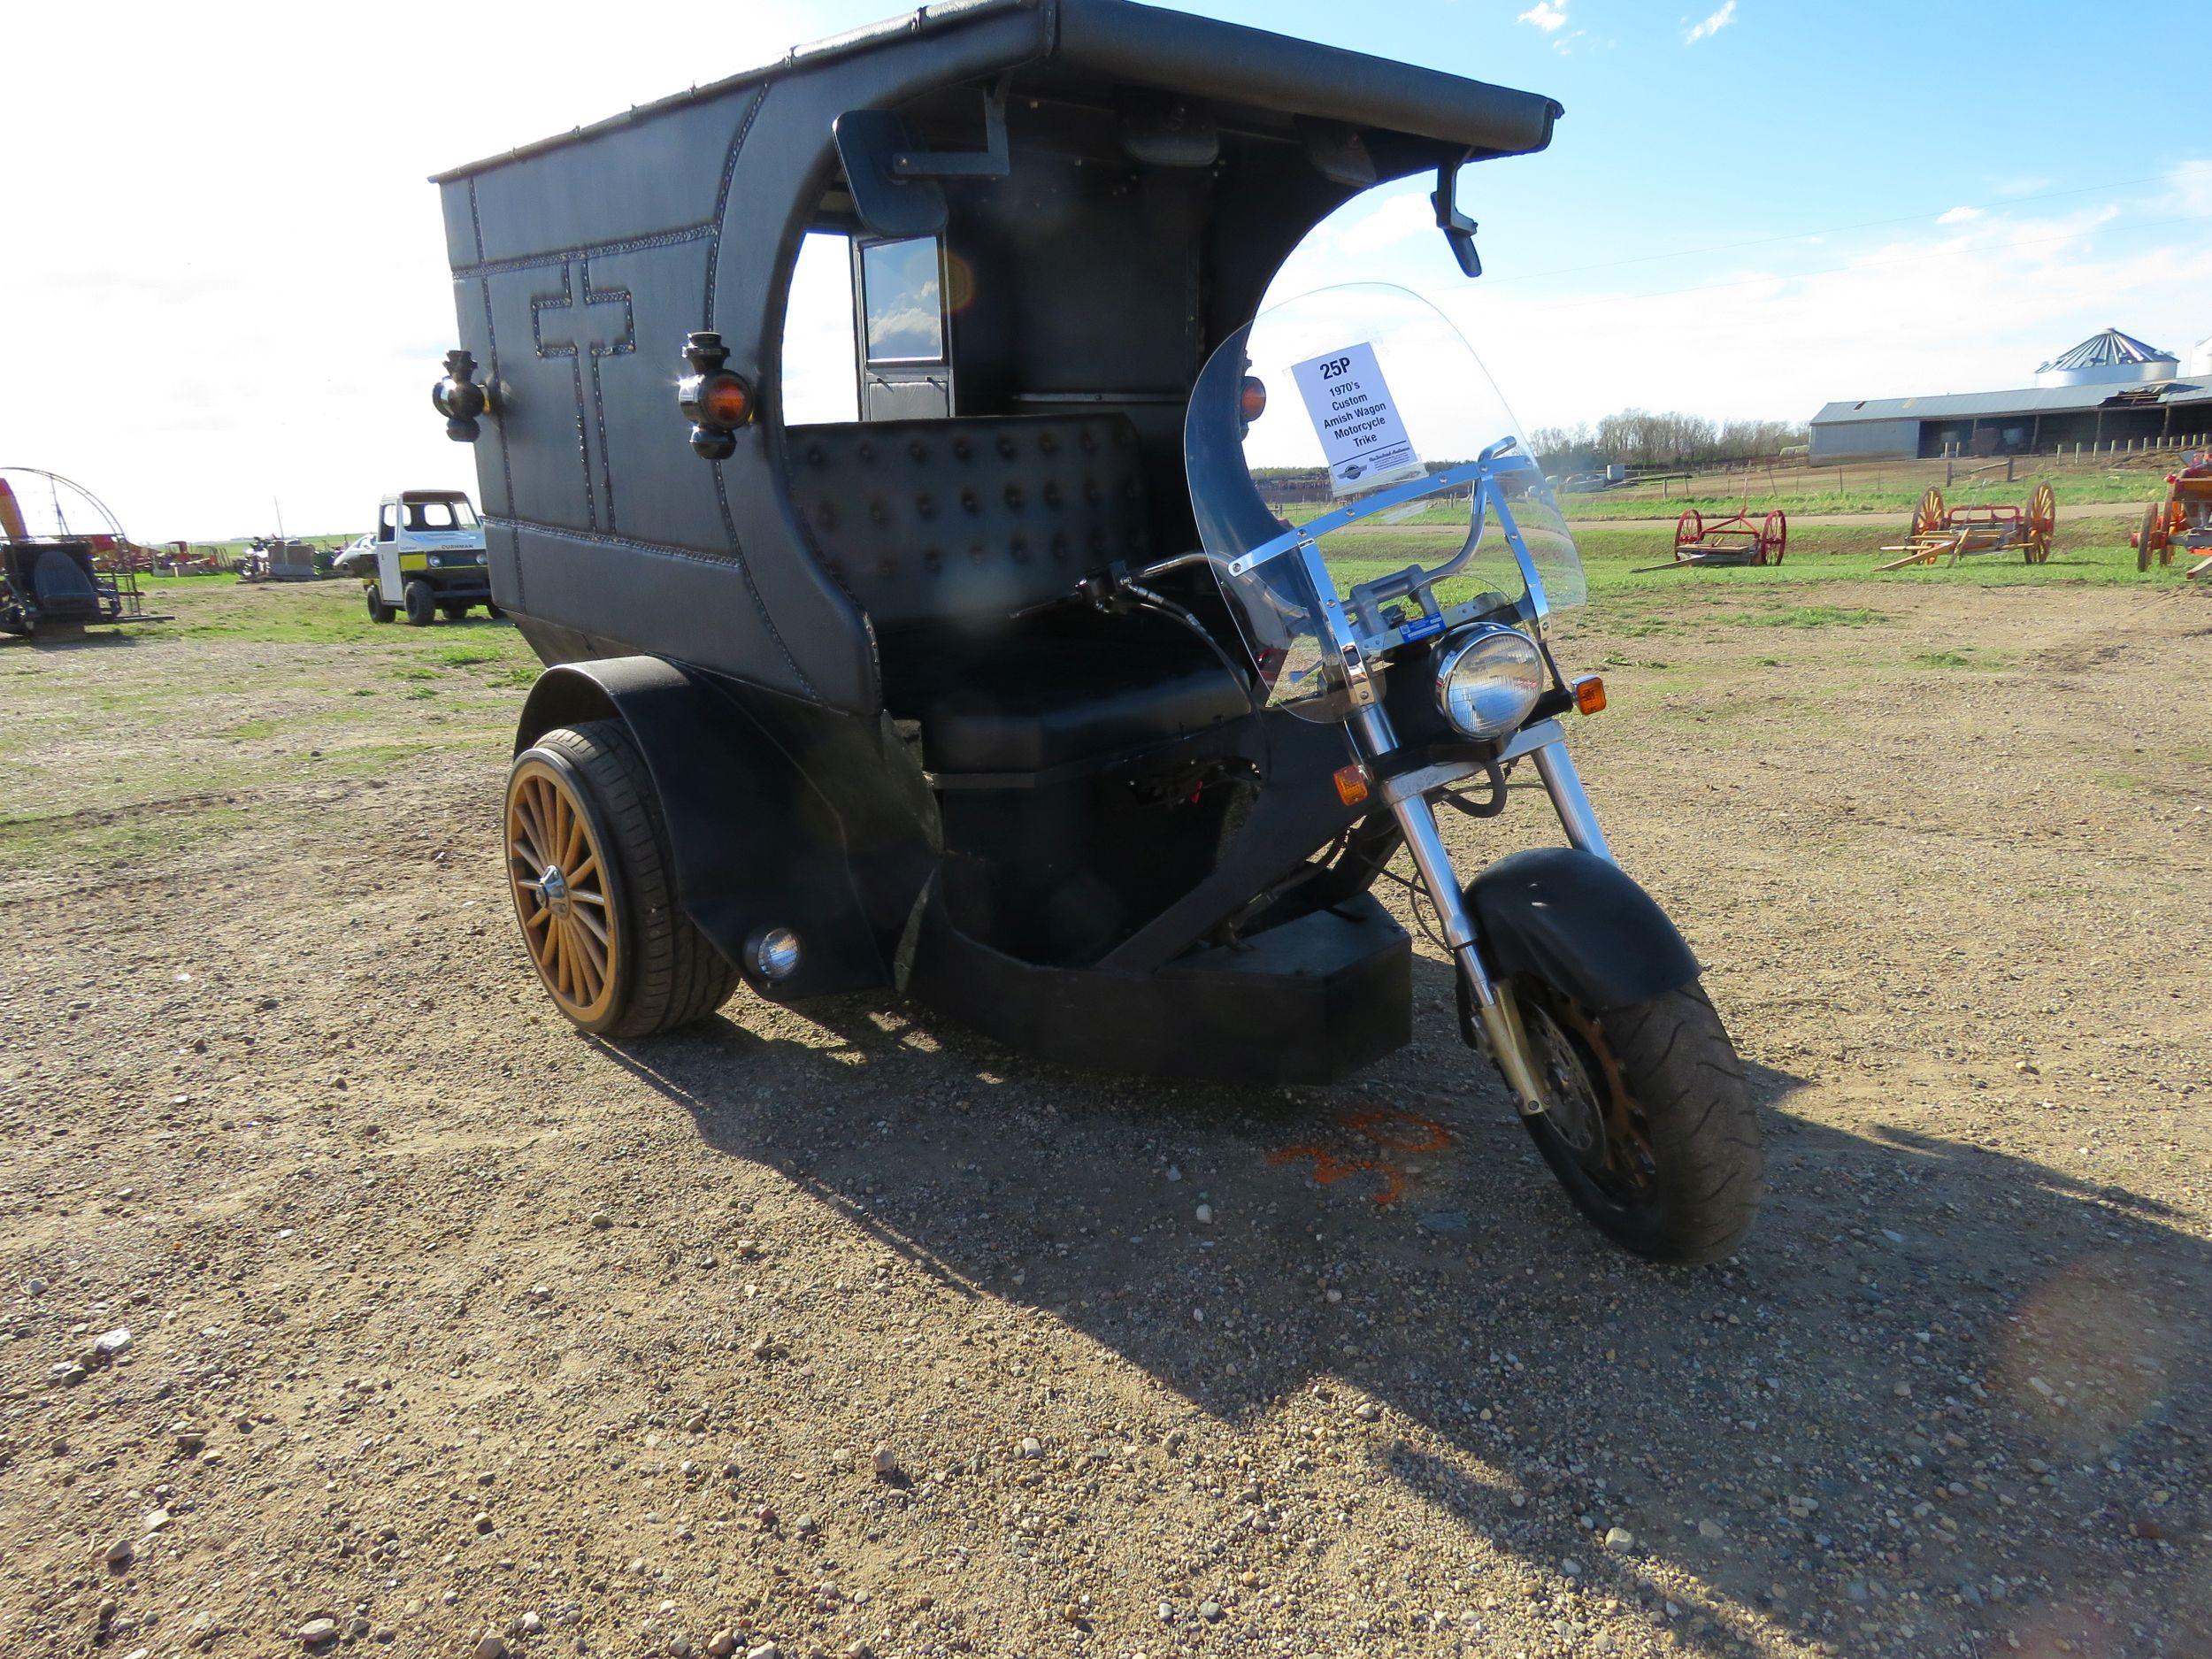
1488, 677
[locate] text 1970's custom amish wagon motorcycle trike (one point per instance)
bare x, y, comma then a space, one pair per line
1082, 687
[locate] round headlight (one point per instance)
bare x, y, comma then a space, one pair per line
1487, 678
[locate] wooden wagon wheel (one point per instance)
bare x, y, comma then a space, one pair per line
2149, 535
563, 895
1927, 519
2042, 524
1689, 530
1774, 537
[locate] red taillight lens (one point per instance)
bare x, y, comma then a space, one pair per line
1252, 398
725, 400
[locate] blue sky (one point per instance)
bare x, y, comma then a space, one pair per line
1801, 203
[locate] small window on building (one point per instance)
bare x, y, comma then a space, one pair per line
902, 292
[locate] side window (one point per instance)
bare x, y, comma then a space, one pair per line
902, 298
385, 526
818, 384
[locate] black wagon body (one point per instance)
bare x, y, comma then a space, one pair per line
876, 742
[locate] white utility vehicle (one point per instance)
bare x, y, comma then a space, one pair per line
429, 559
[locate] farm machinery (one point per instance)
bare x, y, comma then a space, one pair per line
2183, 520
58, 579
1938, 531
1734, 539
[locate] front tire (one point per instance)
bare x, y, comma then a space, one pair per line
588, 864
422, 604
1650, 1126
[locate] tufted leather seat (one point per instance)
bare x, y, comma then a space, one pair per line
941, 530
64, 592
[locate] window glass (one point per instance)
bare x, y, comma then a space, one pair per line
905, 306
818, 375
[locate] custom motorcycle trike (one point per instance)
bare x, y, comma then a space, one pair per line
1081, 675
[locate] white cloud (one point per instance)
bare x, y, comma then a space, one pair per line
1967, 307
273, 259
1544, 15
1713, 25
2192, 182
1958, 215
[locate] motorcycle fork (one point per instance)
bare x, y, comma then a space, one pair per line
1494, 1005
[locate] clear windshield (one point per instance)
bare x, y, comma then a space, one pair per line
1341, 446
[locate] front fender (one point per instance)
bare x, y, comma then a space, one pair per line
1575, 921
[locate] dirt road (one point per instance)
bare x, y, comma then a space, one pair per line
443, 1321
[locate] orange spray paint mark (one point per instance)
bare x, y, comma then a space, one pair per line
1390, 1132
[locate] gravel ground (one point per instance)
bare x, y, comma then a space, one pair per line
350, 1300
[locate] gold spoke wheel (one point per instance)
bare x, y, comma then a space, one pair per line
563, 897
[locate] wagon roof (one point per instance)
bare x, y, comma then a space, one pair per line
1128, 43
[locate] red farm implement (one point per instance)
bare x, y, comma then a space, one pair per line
1939, 532
2182, 521
1731, 540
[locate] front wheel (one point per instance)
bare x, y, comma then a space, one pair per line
421, 600
1650, 1124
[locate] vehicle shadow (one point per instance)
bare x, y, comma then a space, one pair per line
1832, 1432
110, 638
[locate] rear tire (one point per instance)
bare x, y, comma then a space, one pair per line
656, 971
378, 612
454, 613
494, 612
422, 604
1665, 1153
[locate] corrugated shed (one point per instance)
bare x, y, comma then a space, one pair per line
2027, 400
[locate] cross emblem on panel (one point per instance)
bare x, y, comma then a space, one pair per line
585, 325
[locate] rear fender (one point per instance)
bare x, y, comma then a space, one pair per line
779, 813
1577, 922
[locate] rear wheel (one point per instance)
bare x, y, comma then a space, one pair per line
1774, 537
454, 613
1650, 1124
422, 603
494, 612
594, 890
378, 612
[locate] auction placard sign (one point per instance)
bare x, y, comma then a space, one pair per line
1363, 439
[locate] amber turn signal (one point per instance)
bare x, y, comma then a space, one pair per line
1252, 398
1589, 694
725, 400
1351, 784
